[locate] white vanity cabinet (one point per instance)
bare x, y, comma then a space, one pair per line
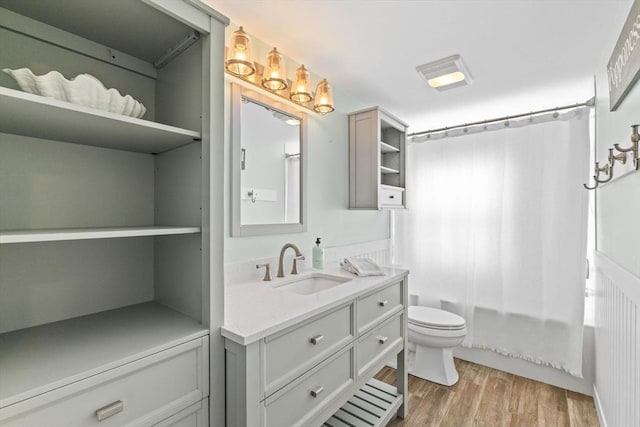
304, 373
111, 293
377, 159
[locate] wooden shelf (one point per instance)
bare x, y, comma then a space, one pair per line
39, 359
386, 170
35, 116
373, 406
58, 234
387, 148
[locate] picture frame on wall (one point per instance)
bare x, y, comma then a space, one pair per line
623, 68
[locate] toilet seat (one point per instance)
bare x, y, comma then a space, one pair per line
436, 319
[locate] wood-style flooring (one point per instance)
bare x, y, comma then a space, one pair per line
487, 397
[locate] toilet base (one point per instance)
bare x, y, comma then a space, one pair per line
435, 364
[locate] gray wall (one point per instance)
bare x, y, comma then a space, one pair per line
618, 203
618, 237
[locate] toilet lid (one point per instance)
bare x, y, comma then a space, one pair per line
434, 318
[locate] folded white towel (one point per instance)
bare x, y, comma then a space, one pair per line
361, 267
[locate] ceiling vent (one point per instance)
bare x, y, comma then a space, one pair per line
445, 73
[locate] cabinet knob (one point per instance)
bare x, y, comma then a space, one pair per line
110, 410
382, 340
383, 303
317, 391
392, 196
317, 339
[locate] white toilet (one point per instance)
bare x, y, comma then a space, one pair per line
435, 332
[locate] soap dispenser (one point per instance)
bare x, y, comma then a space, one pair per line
317, 255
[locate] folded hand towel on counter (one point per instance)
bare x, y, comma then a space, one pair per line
361, 267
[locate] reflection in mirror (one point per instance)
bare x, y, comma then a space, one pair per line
268, 154
270, 173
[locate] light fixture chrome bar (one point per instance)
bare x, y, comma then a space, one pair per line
182, 45
590, 103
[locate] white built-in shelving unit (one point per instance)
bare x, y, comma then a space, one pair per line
110, 244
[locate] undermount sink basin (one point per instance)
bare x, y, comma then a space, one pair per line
312, 283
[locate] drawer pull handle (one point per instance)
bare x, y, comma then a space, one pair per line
383, 303
392, 197
317, 339
109, 410
317, 392
382, 340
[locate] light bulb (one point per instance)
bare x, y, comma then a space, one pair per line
275, 75
323, 101
240, 56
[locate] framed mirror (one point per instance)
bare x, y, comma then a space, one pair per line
268, 155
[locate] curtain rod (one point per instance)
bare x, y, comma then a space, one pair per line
589, 103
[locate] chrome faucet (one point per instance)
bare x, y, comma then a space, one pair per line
298, 256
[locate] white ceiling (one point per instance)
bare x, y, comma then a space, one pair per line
523, 54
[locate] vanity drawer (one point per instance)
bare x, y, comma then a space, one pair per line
149, 390
196, 415
293, 352
299, 404
390, 196
373, 308
380, 344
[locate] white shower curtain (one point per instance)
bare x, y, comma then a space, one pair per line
496, 231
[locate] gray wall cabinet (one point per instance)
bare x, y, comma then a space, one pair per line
377, 158
111, 287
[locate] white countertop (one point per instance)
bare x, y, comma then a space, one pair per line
256, 309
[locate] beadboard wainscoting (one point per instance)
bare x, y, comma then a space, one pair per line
378, 250
617, 385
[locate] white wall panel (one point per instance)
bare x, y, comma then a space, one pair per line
618, 344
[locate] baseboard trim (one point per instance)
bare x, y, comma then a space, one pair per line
599, 410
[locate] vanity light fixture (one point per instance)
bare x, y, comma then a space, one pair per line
240, 57
445, 73
274, 76
323, 101
300, 91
